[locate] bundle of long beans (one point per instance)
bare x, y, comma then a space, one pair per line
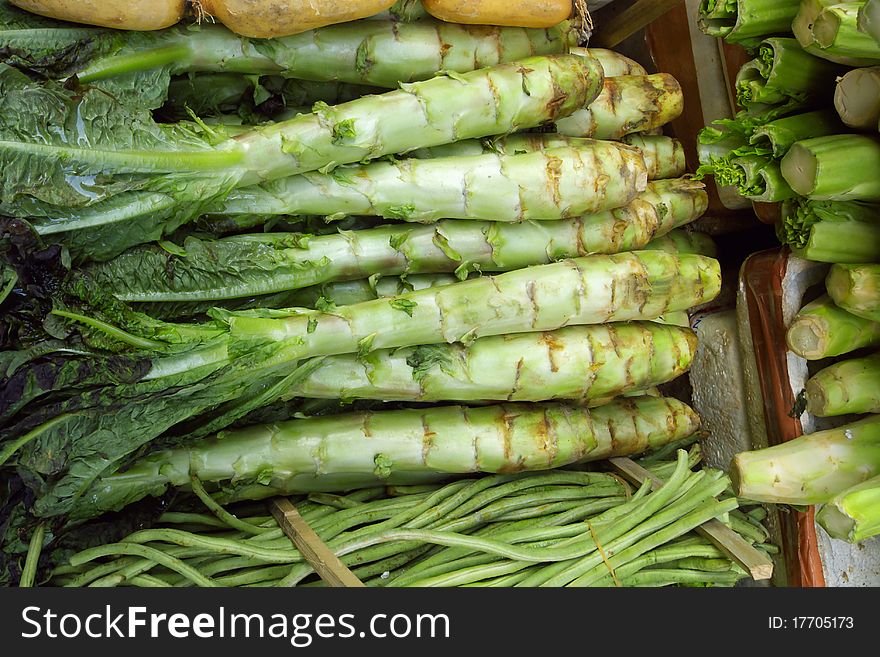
567, 527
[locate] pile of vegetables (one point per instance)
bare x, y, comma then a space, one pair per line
807, 137
388, 252
564, 528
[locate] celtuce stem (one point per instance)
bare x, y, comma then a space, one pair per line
822, 329
850, 386
811, 469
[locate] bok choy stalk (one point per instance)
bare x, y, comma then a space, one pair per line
155, 178
869, 19
627, 104
137, 66
831, 231
802, 27
821, 168
257, 356
857, 98
784, 73
811, 469
266, 263
856, 288
399, 447
850, 386
822, 329
854, 514
836, 34
591, 176
746, 22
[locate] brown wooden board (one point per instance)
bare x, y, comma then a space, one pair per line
314, 550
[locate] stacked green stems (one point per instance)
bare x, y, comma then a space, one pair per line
821, 168
811, 469
261, 264
869, 19
854, 514
597, 289
856, 288
746, 22
783, 73
857, 98
835, 31
821, 329
627, 104
850, 386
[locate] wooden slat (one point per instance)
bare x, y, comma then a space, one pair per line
618, 28
326, 564
753, 561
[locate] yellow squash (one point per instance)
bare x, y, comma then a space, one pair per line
265, 19
121, 14
520, 13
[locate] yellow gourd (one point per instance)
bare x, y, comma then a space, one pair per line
520, 13
272, 18
121, 14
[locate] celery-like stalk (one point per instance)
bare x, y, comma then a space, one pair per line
811, 469
784, 71
850, 386
857, 98
856, 288
831, 231
781, 134
834, 167
835, 31
854, 514
869, 19
746, 22
821, 329
802, 26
